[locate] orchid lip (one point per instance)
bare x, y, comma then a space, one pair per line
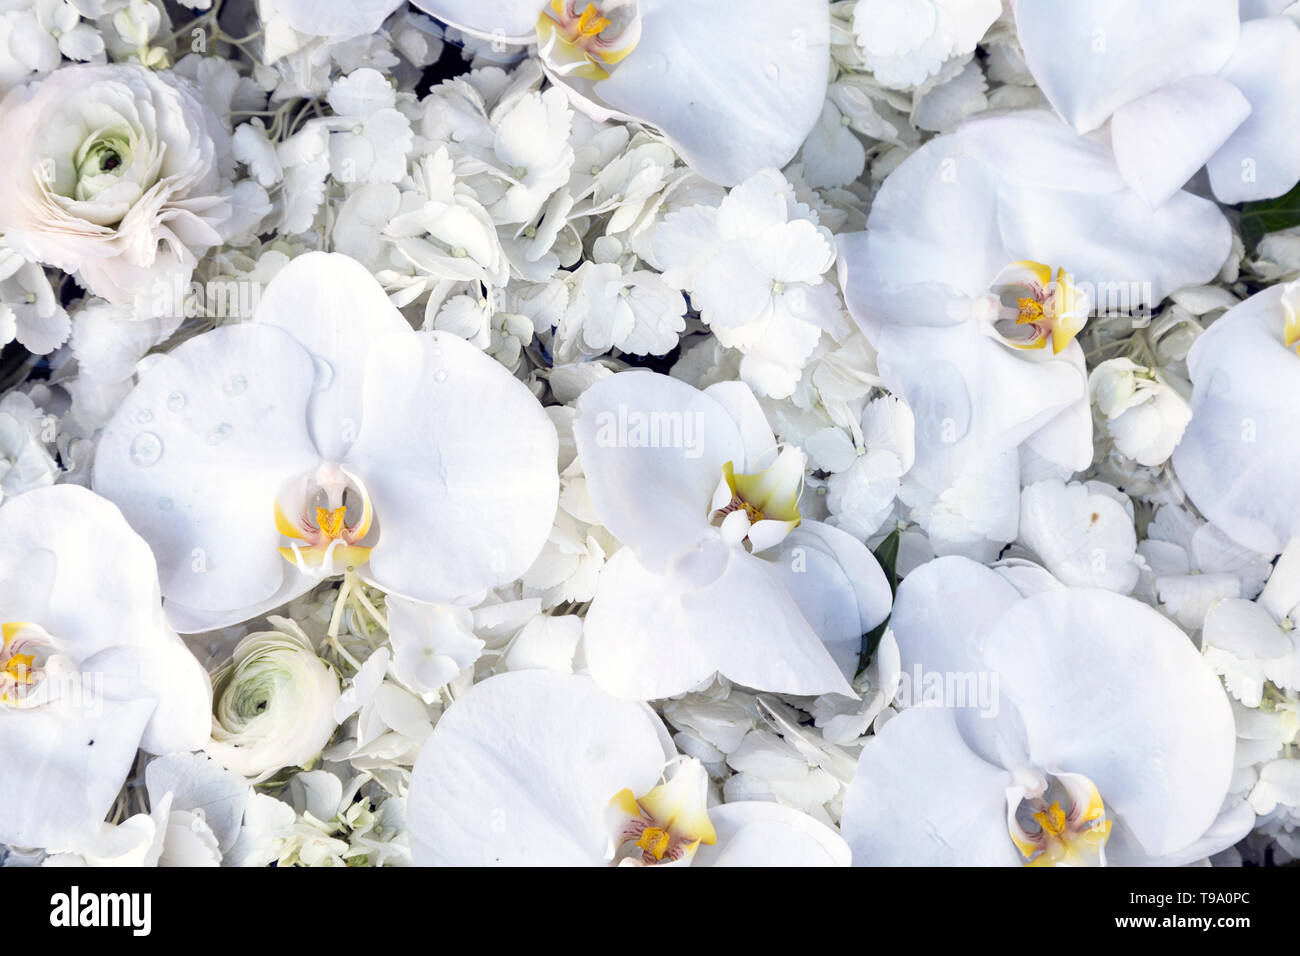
587, 41
28, 656
326, 514
760, 508
665, 825
1048, 834
1042, 308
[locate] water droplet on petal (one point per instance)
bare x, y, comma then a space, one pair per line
220, 433
773, 72
440, 375
324, 373
146, 449
144, 416
176, 401
235, 385
164, 504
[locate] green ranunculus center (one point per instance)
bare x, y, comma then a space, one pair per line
100, 162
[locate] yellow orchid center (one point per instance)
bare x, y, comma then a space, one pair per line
325, 514
1046, 309
1291, 308
667, 824
20, 666
1054, 836
768, 499
587, 41
23, 658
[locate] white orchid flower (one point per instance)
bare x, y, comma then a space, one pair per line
534, 768
1071, 727
735, 88
1239, 454
323, 436
719, 572
973, 278
89, 670
1183, 83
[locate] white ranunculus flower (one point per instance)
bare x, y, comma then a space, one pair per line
114, 173
272, 703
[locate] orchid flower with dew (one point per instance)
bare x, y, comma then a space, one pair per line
534, 768
324, 437
720, 572
971, 282
734, 90
1240, 445
89, 670
1184, 84
1072, 727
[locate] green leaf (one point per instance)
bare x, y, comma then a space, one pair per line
887, 555
1258, 219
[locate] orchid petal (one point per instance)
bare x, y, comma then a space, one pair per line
652, 449
195, 469
510, 21
1261, 160
1241, 440
921, 797
335, 309
460, 460
649, 636
1163, 138
1109, 688
1090, 59
520, 770
758, 833
736, 89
